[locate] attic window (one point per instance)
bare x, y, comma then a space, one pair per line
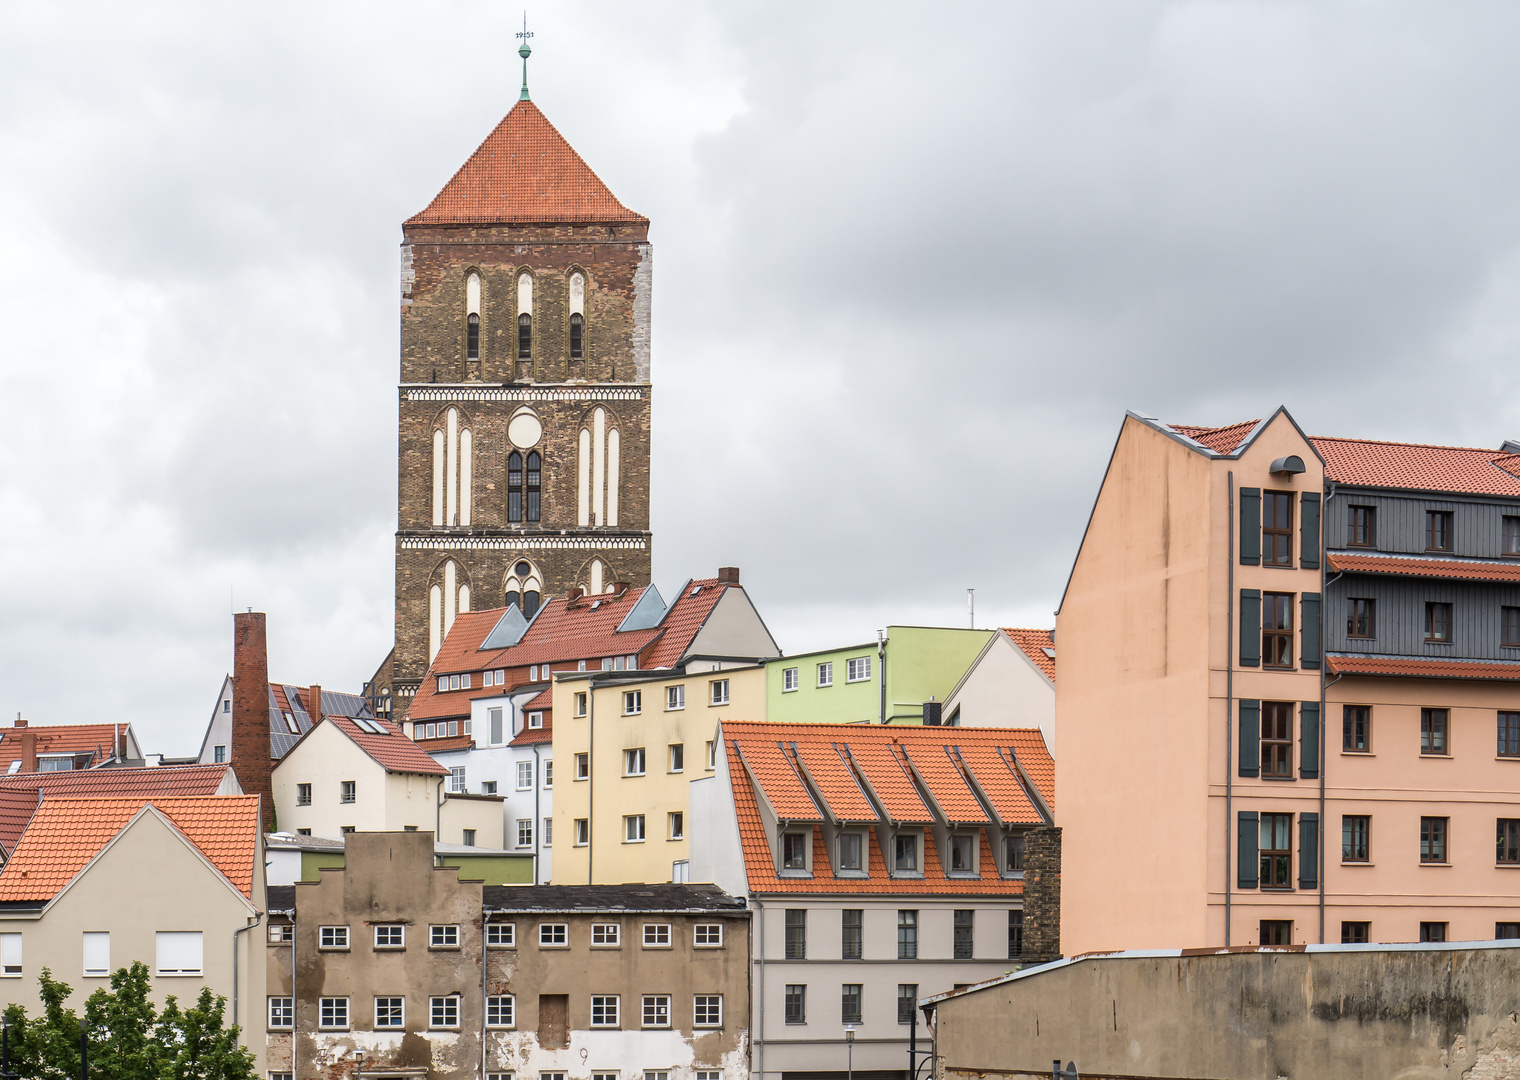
290, 723
1048, 651
15, 767
695, 591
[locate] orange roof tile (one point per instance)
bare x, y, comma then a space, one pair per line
1032, 753
1033, 643
532, 736
65, 834
835, 782
947, 787
393, 750
525, 171
686, 615
101, 783
784, 789
1365, 463
1414, 566
1001, 784
449, 742
888, 779
544, 702
94, 739
17, 805
1221, 440
1421, 667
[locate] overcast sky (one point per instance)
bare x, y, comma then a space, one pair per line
912, 263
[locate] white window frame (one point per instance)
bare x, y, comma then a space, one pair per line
97, 947
501, 935
348, 791
525, 775
710, 928
580, 702
633, 702
582, 832
401, 1021
675, 698
536, 720
186, 949
546, 833
789, 680
673, 751
604, 1002
698, 1004
524, 832
857, 669
332, 938
651, 1010
633, 824
10, 956
717, 692
443, 936
333, 1005
398, 928
675, 825
635, 755
281, 1009
712, 753
548, 771
444, 1003
303, 794
583, 766
552, 930
826, 673
657, 935
504, 1009
456, 779
607, 935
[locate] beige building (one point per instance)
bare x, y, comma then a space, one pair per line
398, 968
96, 884
628, 746
1011, 684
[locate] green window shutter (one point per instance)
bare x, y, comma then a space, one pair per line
1309, 650
1250, 526
1308, 740
1247, 860
1250, 737
1308, 541
1250, 628
1308, 851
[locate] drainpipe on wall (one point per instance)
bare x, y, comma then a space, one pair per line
1229, 715
258, 918
437, 819
760, 1027
485, 966
295, 997
590, 790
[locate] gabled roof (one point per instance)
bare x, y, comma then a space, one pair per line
540, 703
393, 751
65, 834
525, 171
1222, 440
1365, 463
685, 617
17, 805
98, 740
1038, 645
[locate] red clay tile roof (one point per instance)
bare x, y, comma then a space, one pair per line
451, 742
686, 615
525, 171
393, 750
947, 787
1364, 463
1033, 644
544, 702
63, 739
1001, 784
835, 782
887, 778
1423, 667
783, 788
1031, 752
101, 783
1222, 440
757, 743
65, 834
531, 736
1415, 566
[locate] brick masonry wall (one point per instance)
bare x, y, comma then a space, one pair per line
251, 763
1042, 895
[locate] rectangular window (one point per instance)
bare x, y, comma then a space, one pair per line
332, 1012
1433, 725
857, 669
907, 1001
965, 934
349, 792
495, 726
1438, 530
1015, 935
1360, 622
852, 928
1277, 630
1277, 528
656, 1010
1433, 839
219, 754
10, 954
303, 794
796, 934
719, 691
712, 754
547, 834
580, 704
676, 820
444, 1011
1356, 729
443, 683
604, 1010
1509, 734
1361, 528
794, 851
443, 936
582, 831
1355, 933
963, 854
633, 829
788, 680
1276, 851
796, 1003
536, 720
282, 1012
1438, 623
501, 1011
548, 774
675, 697
826, 673
1509, 841
1432, 931
583, 766
97, 953
281, 933
501, 935
1510, 544
633, 702
1275, 932
1506, 931
1356, 830
552, 934
524, 832
525, 776
905, 853
1013, 852
607, 934
332, 937
488, 787
850, 852
907, 935
456, 779
849, 1003
707, 1010
1277, 739
633, 762
708, 935
677, 757
390, 1012
656, 935
1509, 627
390, 936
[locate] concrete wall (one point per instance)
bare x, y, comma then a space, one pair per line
1338, 1013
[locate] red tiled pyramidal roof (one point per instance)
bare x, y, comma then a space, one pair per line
525, 171
65, 834
1363, 462
1033, 644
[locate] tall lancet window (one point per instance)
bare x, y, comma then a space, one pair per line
453, 454
597, 472
577, 336
524, 588
514, 486
577, 316
524, 467
449, 596
535, 477
472, 317
524, 326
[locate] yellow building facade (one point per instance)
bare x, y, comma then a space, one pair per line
629, 743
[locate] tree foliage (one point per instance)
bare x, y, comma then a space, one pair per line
128, 1037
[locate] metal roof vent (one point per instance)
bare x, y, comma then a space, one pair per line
1511, 446
1287, 465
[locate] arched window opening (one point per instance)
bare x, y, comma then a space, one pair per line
514, 486
535, 473
525, 336
523, 589
472, 338
453, 464
577, 336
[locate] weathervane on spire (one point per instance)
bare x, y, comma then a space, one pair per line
524, 51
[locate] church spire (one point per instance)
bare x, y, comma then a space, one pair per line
524, 51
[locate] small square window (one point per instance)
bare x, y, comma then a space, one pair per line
552, 935
501, 935
535, 720
675, 697
708, 935
390, 936
1355, 933
633, 702
707, 1010
633, 762
788, 680
608, 935
303, 794
1432, 931
656, 1010
332, 937
656, 935
349, 791
501, 1011
333, 1013
444, 1011
282, 1012
719, 689
390, 1012
604, 1010
443, 936
281, 933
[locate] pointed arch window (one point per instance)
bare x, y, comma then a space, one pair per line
524, 487
577, 336
534, 485
472, 337
525, 336
523, 589
514, 486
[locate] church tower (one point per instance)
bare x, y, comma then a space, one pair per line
524, 392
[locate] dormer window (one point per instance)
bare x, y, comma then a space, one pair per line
905, 853
1013, 853
794, 851
535, 720
851, 847
962, 854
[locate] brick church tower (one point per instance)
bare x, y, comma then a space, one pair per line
524, 392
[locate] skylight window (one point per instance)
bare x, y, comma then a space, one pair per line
290, 723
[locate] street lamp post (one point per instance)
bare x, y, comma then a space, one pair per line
849, 1043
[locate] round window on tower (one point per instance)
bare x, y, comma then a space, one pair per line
523, 569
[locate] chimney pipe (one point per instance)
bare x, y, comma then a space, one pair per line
250, 709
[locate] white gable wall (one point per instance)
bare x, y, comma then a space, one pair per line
1005, 689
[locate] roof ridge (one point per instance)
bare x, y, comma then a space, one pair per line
1413, 445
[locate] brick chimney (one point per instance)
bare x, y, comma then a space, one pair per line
28, 739
728, 575
250, 709
314, 703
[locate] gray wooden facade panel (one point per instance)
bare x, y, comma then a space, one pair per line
1477, 527
1400, 616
